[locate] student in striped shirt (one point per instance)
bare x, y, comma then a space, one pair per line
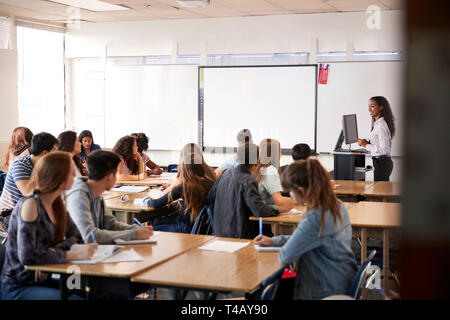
17, 180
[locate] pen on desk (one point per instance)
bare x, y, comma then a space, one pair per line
138, 222
260, 228
93, 236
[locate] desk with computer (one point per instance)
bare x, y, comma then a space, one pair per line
349, 164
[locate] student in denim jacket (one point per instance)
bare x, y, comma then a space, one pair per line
321, 242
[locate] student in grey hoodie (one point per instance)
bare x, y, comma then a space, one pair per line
87, 208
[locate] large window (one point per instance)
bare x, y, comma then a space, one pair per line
41, 80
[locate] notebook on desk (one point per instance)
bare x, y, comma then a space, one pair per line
267, 249
152, 239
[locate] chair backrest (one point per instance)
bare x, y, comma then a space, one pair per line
358, 280
204, 223
267, 289
172, 168
2, 256
2, 180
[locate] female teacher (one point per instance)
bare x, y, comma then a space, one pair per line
380, 141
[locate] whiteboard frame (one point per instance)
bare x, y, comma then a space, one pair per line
201, 106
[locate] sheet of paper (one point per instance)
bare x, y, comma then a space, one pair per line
102, 253
138, 201
124, 256
224, 246
131, 189
155, 193
293, 211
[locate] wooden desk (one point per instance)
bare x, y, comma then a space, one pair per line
376, 215
127, 208
149, 182
351, 187
169, 245
243, 270
286, 223
385, 190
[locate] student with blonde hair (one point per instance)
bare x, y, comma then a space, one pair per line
41, 232
267, 174
322, 240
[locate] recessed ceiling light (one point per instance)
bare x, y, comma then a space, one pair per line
92, 5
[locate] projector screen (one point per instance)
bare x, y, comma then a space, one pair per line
277, 102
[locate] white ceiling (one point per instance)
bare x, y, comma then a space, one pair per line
50, 12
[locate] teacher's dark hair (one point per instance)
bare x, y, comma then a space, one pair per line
386, 112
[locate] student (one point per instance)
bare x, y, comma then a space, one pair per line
267, 174
19, 145
383, 130
87, 144
242, 137
87, 208
195, 179
235, 197
68, 142
322, 241
41, 232
142, 143
131, 167
301, 151
17, 184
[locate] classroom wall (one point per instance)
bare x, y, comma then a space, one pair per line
264, 34
285, 33
8, 98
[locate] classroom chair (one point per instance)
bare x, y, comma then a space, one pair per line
362, 275
172, 168
204, 224
2, 180
269, 287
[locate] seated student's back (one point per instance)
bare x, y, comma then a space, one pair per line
236, 198
321, 243
195, 179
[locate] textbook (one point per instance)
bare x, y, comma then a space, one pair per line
152, 239
102, 253
267, 249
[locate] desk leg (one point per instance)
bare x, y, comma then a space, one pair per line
363, 245
276, 229
386, 261
63, 286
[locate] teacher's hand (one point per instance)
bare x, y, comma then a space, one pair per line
362, 142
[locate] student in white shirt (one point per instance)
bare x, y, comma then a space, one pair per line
267, 174
380, 141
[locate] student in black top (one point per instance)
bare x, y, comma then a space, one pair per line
301, 151
87, 144
195, 179
236, 198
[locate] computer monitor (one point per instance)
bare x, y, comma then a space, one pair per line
350, 128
